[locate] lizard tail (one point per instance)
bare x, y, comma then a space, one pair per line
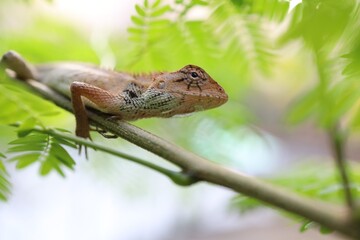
22, 69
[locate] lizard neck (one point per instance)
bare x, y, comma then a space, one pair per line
151, 103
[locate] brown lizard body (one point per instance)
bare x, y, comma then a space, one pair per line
127, 96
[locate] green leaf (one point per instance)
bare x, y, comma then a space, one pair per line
50, 113
199, 2
161, 11
45, 168
64, 142
305, 106
352, 57
61, 154
135, 30
26, 127
62, 130
275, 10
159, 23
34, 138
2, 166
156, 4
4, 182
345, 96
245, 204
311, 225
321, 23
26, 147
355, 119
140, 10
20, 105
59, 171
43, 148
137, 20
306, 226
25, 159
325, 230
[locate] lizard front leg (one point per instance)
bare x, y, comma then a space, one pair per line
102, 99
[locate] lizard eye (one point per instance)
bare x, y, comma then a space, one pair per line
194, 74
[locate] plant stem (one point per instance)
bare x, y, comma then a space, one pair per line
179, 178
337, 139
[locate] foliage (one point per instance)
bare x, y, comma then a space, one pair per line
239, 41
238, 32
42, 148
23, 106
326, 27
227, 35
29, 111
307, 180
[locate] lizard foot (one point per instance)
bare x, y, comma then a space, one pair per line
104, 133
84, 133
114, 118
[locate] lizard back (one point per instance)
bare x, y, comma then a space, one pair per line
59, 77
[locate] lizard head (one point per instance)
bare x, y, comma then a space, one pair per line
195, 89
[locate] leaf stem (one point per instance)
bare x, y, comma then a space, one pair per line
337, 138
179, 178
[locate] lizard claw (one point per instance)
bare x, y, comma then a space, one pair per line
85, 151
103, 132
84, 133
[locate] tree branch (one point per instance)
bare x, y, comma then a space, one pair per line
334, 217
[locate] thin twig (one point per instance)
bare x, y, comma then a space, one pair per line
331, 216
179, 178
337, 139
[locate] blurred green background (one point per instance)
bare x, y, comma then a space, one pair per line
291, 70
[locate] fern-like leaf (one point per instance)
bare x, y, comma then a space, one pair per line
244, 38
320, 23
20, 105
147, 29
274, 10
42, 148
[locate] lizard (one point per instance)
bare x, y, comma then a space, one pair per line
122, 95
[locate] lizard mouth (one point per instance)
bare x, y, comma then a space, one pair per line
208, 101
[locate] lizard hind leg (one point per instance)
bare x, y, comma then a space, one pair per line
97, 96
102, 99
15, 62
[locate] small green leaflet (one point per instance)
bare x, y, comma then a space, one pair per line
4, 182
42, 148
310, 224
